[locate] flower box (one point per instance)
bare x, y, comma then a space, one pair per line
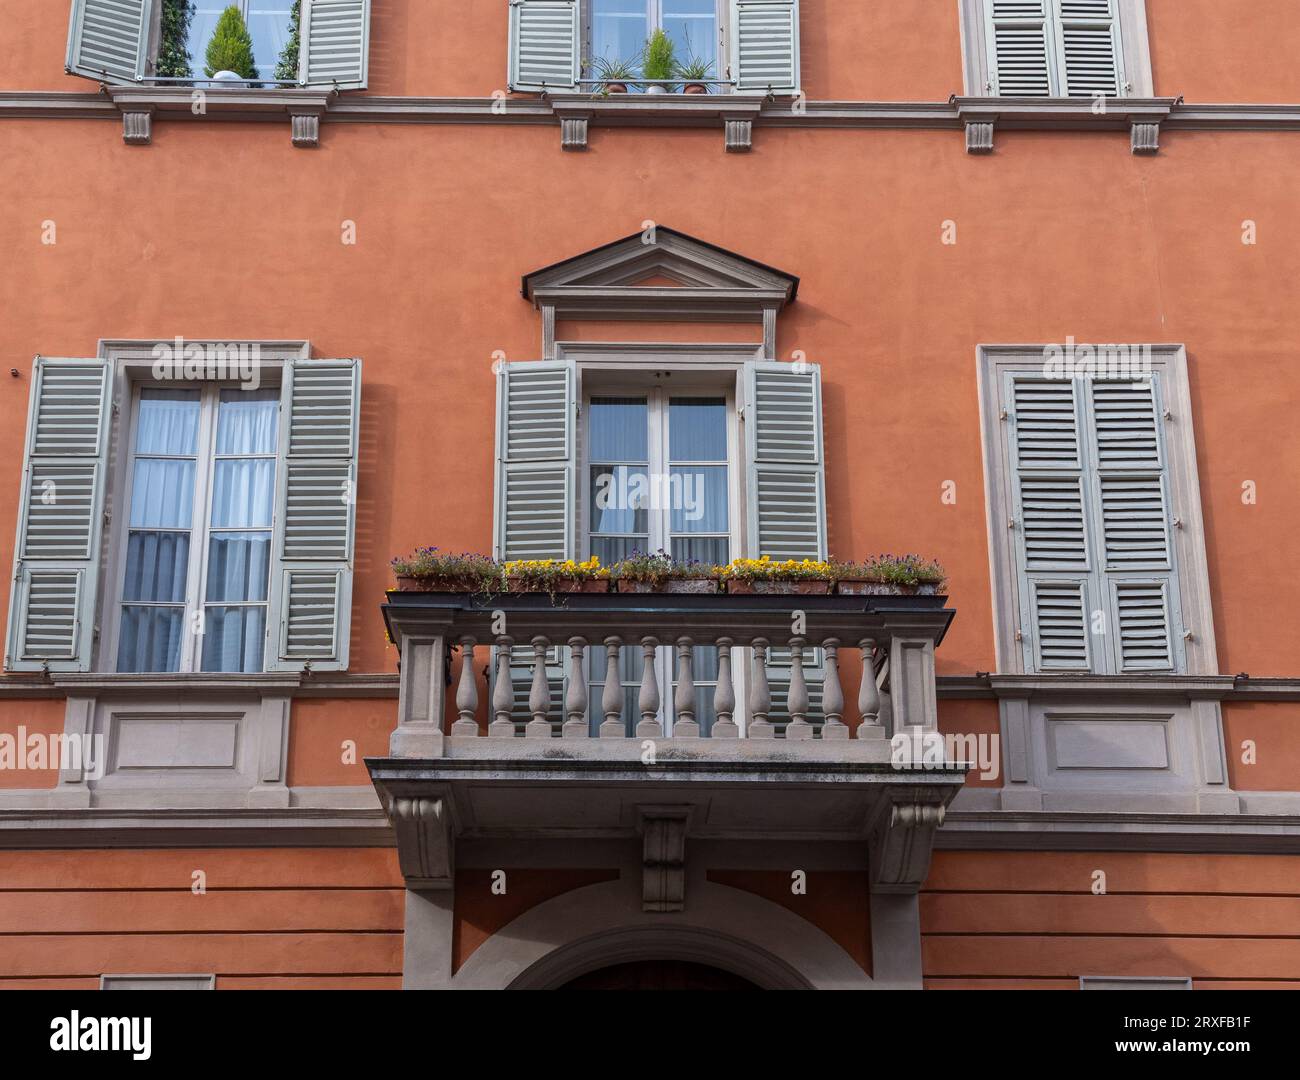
691, 585
585, 585
627, 585
439, 583
859, 587
770, 586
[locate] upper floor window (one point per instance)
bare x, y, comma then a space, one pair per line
740, 46
1056, 48
198, 541
311, 42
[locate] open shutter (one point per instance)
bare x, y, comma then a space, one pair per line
334, 44
765, 46
544, 37
61, 513
315, 515
1050, 519
536, 477
1018, 46
1133, 515
1089, 48
786, 497
108, 39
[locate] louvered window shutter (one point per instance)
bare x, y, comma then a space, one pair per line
1088, 36
1131, 492
536, 477
108, 39
334, 43
765, 46
61, 514
315, 515
786, 496
544, 37
1019, 41
1049, 505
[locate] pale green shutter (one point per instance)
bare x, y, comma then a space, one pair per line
334, 43
52, 604
1089, 56
108, 39
1049, 519
315, 515
536, 480
544, 52
786, 493
1019, 44
1131, 491
765, 46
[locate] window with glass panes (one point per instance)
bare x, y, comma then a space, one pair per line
660, 472
196, 574
268, 23
619, 29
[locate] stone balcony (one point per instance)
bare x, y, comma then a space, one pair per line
570, 764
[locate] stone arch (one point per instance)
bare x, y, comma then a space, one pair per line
601, 925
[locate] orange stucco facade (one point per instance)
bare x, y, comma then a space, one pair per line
222, 229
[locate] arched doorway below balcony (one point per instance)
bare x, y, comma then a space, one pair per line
659, 975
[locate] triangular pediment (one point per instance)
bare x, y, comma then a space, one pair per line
656, 274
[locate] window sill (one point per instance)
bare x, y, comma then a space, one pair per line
138, 104
1141, 116
736, 113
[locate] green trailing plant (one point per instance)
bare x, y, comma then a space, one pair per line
173, 57
231, 47
659, 63
286, 69
910, 570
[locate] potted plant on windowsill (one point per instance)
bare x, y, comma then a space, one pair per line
429, 570
659, 65
555, 576
613, 74
694, 74
889, 575
805, 576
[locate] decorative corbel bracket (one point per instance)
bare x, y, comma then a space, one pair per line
979, 136
137, 126
663, 857
426, 839
902, 837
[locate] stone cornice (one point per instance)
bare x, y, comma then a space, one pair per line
575, 113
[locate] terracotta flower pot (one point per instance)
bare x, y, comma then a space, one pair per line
691, 585
695, 88
583, 585
626, 585
771, 587
615, 88
515, 583
410, 583
437, 583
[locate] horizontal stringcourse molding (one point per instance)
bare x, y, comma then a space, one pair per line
137, 106
290, 684
1227, 688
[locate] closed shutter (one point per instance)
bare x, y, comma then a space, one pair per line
765, 46
1049, 505
536, 476
1094, 551
1089, 48
335, 44
543, 45
1018, 44
108, 39
61, 513
1131, 491
786, 497
315, 515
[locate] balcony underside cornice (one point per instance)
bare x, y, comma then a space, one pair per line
574, 114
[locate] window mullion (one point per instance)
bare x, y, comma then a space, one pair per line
195, 611
1105, 661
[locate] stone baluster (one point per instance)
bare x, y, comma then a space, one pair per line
796, 699
760, 697
466, 692
724, 697
832, 693
869, 694
611, 700
575, 701
503, 693
649, 726
539, 697
685, 725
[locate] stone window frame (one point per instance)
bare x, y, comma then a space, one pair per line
1135, 45
1170, 361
